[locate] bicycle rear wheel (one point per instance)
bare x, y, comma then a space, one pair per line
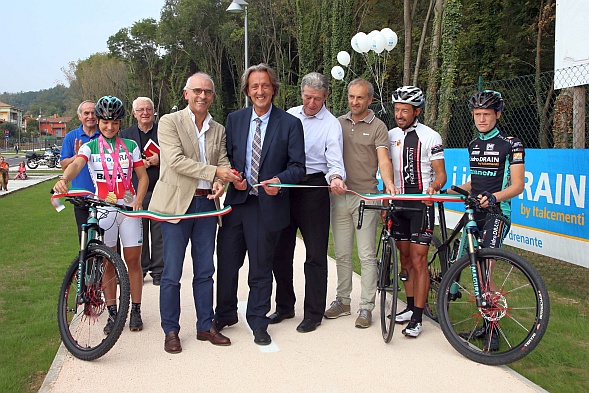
388, 281
81, 321
515, 316
436, 268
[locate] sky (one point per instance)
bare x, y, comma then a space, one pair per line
40, 37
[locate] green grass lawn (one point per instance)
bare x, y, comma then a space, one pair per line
37, 244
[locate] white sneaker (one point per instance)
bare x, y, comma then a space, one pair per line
413, 329
404, 316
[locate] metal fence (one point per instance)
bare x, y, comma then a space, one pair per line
534, 112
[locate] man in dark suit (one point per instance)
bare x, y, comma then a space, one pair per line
152, 257
259, 213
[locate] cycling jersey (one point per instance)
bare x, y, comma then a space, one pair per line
491, 156
412, 152
91, 153
114, 224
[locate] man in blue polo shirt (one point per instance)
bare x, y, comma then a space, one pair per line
87, 131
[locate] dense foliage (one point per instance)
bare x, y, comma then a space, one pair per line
494, 40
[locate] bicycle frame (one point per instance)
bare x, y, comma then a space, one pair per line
91, 234
470, 243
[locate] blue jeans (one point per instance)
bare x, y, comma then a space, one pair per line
201, 233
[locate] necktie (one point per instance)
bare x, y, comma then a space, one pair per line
256, 155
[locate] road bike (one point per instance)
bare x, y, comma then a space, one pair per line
82, 306
492, 304
387, 266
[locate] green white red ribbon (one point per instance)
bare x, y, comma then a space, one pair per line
384, 197
145, 213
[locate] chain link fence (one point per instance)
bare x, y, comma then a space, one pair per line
534, 112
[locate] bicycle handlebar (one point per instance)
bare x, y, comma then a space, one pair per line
390, 208
469, 200
80, 201
89, 201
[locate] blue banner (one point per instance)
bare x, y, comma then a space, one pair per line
555, 193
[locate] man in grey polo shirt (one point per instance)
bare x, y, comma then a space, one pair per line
365, 150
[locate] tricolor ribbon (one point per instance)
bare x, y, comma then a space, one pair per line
383, 197
141, 213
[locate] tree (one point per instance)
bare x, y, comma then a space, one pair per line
408, 24
451, 26
138, 47
431, 108
100, 75
545, 20
11, 127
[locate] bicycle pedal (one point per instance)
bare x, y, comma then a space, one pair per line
403, 276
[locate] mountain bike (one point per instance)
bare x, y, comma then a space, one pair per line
82, 306
443, 252
492, 304
387, 266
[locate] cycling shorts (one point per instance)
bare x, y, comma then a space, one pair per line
115, 225
493, 228
411, 226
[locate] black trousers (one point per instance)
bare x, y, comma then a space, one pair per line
309, 212
244, 230
152, 252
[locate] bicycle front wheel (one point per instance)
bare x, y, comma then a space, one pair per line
388, 284
515, 313
82, 317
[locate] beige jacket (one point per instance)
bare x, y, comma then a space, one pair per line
180, 165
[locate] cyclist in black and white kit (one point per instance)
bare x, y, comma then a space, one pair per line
496, 175
418, 166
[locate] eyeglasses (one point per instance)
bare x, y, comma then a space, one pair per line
198, 91
141, 110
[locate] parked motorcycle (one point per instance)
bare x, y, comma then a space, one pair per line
50, 158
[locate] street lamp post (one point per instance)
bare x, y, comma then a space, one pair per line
238, 6
39, 120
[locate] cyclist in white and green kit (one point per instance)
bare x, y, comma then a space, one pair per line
111, 161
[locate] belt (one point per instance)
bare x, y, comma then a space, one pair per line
202, 192
312, 176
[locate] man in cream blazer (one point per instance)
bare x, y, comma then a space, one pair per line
193, 170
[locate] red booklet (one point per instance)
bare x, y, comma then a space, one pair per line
151, 148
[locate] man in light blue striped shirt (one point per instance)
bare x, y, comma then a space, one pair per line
309, 207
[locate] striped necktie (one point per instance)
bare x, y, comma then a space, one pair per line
256, 155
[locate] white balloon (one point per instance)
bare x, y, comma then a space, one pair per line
343, 58
391, 40
355, 44
377, 41
386, 32
337, 72
363, 42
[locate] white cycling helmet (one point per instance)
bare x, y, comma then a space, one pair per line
409, 95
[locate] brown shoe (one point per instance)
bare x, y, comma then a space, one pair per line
172, 343
214, 337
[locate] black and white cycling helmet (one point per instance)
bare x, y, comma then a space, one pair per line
488, 99
409, 95
109, 108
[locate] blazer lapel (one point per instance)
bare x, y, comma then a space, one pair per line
190, 129
243, 129
273, 124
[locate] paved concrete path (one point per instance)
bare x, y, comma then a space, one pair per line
337, 357
32, 179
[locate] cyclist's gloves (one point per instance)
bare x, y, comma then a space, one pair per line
490, 197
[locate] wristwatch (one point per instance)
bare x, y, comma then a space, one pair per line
335, 176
